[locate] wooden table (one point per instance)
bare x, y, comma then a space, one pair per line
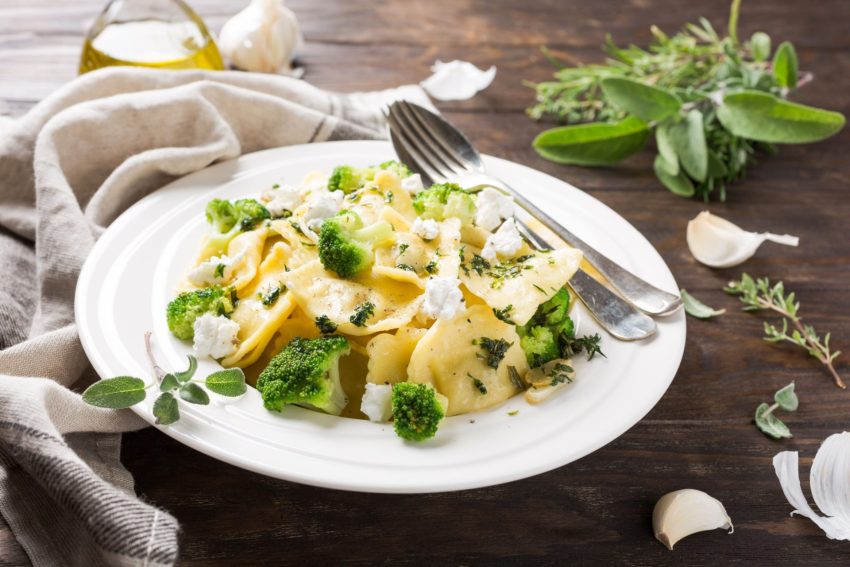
701, 435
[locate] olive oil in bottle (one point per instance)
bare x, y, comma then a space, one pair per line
163, 34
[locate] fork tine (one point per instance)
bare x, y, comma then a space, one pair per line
431, 142
416, 137
421, 114
401, 138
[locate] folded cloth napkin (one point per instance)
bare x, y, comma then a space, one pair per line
67, 169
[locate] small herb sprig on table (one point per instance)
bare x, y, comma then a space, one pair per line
766, 420
759, 294
711, 101
126, 391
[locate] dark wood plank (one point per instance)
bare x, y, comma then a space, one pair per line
597, 510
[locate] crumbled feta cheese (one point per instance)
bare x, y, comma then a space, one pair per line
427, 229
505, 242
443, 298
284, 199
215, 336
412, 184
377, 402
216, 270
322, 205
493, 206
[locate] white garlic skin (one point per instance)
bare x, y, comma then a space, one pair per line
684, 512
262, 38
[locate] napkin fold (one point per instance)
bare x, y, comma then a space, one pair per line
67, 169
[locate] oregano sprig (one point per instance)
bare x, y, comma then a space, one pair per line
759, 294
766, 419
126, 391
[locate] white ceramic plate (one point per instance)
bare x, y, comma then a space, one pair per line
131, 273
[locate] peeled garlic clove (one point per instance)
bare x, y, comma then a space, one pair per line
457, 80
262, 38
718, 243
685, 512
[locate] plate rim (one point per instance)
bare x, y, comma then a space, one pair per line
101, 245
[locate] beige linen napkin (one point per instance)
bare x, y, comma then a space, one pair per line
67, 169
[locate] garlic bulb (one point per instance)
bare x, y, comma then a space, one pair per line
829, 481
718, 243
684, 512
262, 38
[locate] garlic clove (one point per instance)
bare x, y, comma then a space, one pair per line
684, 512
263, 37
457, 80
718, 243
829, 484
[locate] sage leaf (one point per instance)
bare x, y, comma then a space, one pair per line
647, 102
229, 382
785, 65
786, 398
716, 168
115, 393
696, 308
679, 184
169, 382
165, 409
593, 144
688, 137
666, 149
187, 374
760, 46
765, 118
193, 394
769, 424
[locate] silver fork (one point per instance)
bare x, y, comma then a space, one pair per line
415, 147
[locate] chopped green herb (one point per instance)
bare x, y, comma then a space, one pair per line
388, 197
513, 413
479, 385
561, 373
494, 350
504, 314
431, 267
325, 325
516, 379
406, 267
479, 264
270, 296
297, 227
402, 247
219, 270
540, 289
588, 343
361, 313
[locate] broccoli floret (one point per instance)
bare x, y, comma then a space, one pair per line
188, 306
346, 246
416, 411
396, 167
540, 346
345, 178
306, 372
444, 200
228, 219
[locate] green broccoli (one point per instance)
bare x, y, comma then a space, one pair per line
306, 372
417, 411
396, 167
228, 219
346, 178
548, 330
444, 200
188, 306
346, 246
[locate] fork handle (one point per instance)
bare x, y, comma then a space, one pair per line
638, 292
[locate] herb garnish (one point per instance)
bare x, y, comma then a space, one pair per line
402, 247
361, 313
479, 385
504, 314
219, 271
561, 373
479, 264
767, 422
431, 267
759, 294
406, 267
494, 350
271, 294
516, 379
590, 344
325, 325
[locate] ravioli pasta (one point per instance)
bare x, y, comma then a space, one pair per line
432, 299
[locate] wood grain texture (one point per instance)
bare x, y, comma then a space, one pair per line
597, 510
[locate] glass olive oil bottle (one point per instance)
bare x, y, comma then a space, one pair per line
164, 34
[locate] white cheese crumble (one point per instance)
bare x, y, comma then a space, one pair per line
412, 184
215, 336
505, 242
377, 402
286, 198
213, 271
427, 229
493, 206
322, 205
443, 298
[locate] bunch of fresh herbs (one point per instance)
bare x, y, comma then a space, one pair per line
710, 100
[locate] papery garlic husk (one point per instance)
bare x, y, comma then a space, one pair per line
684, 512
718, 243
457, 80
829, 480
262, 38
